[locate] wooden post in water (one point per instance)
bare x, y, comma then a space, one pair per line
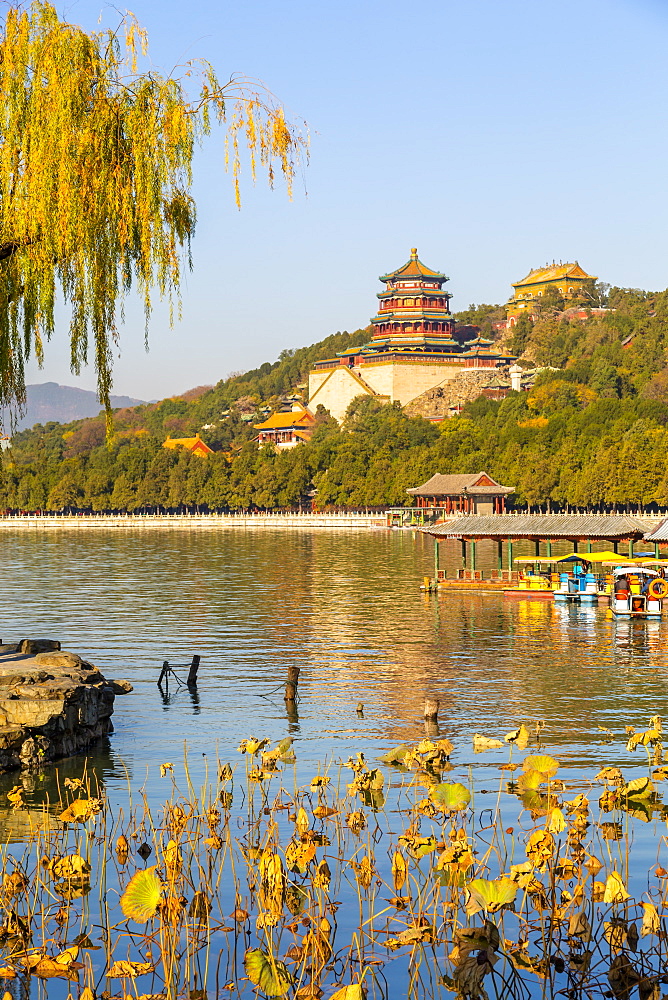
291, 685
192, 673
431, 716
165, 665
431, 709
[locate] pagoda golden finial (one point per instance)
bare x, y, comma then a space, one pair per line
414, 252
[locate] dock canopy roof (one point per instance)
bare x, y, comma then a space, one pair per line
575, 527
477, 483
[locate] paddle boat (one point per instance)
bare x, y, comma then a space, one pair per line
638, 591
580, 585
534, 578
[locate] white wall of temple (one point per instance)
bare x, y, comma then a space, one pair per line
403, 381
334, 389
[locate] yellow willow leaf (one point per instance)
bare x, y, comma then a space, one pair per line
615, 890
142, 895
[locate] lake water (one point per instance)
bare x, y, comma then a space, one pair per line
345, 606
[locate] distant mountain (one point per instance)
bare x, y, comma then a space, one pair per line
50, 401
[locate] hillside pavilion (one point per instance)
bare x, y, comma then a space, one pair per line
413, 347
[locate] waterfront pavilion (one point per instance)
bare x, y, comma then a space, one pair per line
578, 529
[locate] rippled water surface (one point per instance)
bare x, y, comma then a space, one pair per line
346, 607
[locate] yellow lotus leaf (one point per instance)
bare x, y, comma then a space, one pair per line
72, 866
302, 822
490, 895
298, 856
122, 849
615, 890
164, 768
214, 841
450, 796
173, 859
141, 897
320, 780
252, 746
68, 956
556, 822
481, 743
418, 846
322, 812
399, 870
270, 975
541, 762
80, 810
129, 970
651, 923
6, 972
50, 968
579, 926
322, 876
540, 848
522, 874
519, 736
352, 992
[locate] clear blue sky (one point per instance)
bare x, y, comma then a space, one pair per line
493, 136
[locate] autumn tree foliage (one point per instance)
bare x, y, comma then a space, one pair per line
95, 178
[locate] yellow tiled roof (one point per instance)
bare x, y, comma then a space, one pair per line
193, 442
413, 269
553, 272
292, 419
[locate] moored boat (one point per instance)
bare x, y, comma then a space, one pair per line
638, 592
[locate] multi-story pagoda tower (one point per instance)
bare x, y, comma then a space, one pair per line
412, 348
414, 309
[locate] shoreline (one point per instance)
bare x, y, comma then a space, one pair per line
274, 520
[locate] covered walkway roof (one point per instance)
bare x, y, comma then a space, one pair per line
659, 533
574, 527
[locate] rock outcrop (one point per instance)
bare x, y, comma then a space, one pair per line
52, 703
440, 401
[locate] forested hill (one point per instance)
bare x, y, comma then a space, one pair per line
595, 430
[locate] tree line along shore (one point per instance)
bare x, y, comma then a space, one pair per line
593, 430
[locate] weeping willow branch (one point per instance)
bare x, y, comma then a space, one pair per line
96, 158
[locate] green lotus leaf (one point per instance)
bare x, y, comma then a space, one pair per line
450, 796
142, 895
270, 976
